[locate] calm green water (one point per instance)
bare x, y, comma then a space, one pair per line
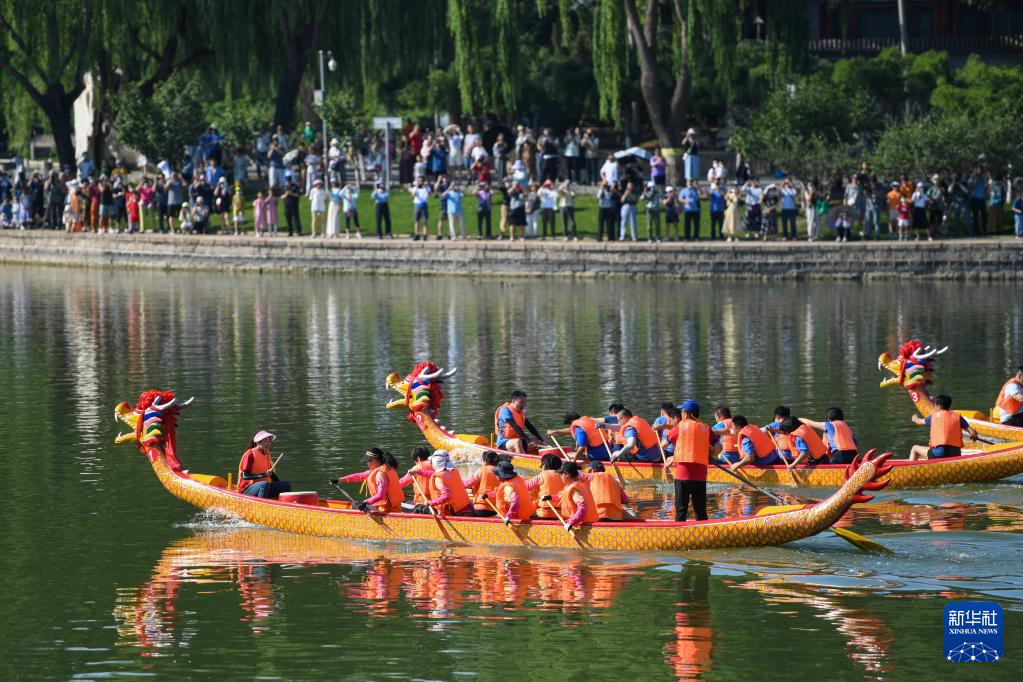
107, 575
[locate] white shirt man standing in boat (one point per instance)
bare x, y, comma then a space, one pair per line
256, 476
1010, 400
510, 425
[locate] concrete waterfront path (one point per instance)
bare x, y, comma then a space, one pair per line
992, 258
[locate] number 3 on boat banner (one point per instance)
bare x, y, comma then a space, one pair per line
973, 632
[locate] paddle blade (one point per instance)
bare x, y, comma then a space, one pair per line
866, 544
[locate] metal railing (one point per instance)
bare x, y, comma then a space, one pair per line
953, 44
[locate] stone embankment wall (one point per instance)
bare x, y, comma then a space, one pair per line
1000, 259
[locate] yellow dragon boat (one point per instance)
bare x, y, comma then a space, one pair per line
153, 421
421, 395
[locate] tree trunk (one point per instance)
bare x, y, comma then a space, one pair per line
288, 83
58, 109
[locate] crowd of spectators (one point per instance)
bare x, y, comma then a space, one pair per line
524, 183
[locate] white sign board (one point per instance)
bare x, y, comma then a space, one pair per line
385, 122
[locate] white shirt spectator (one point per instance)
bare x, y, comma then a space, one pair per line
469, 143
609, 171
548, 198
318, 199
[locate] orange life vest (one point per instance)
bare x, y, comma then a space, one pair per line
762, 444
692, 445
607, 495
550, 484
395, 495
568, 505
526, 504
260, 465
1006, 403
458, 499
589, 427
728, 442
419, 497
843, 437
817, 447
487, 483
518, 416
646, 437
783, 440
946, 429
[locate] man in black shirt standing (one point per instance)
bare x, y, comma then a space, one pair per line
291, 196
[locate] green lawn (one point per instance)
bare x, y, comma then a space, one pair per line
585, 212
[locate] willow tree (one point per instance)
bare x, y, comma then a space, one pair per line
46, 50
671, 39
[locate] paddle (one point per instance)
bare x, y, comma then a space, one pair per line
568, 529
415, 482
859, 541
504, 518
334, 482
614, 465
664, 459
560, 449
795, 479
982, 440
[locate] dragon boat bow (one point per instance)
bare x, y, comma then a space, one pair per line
154, 420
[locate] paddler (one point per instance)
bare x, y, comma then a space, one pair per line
1010, 400
512, 498
784, 447
511, 424
583, 430
381, 475
608, 495
484, 481
575, 500
695, 444
842, 444
755, 446
640, 439
420, 463
946, 432
256, 476
660, 425
723, 427
804, 441
447, 489
546, 483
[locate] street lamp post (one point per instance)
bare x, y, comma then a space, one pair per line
332, 65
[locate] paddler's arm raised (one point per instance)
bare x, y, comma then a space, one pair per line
356, 477
812, 424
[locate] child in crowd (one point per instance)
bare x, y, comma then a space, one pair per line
350, 208
238, 209
185, 218
259, 214
905, 217
133, 206
270, 208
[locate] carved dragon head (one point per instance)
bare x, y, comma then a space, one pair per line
913, 369
420, 390
153, 423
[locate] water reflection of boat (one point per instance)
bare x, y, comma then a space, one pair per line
868, 638
1000, 461
437, 581
154, 425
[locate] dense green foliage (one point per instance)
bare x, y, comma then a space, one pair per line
557, 62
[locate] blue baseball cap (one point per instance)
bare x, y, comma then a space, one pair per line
690, 406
